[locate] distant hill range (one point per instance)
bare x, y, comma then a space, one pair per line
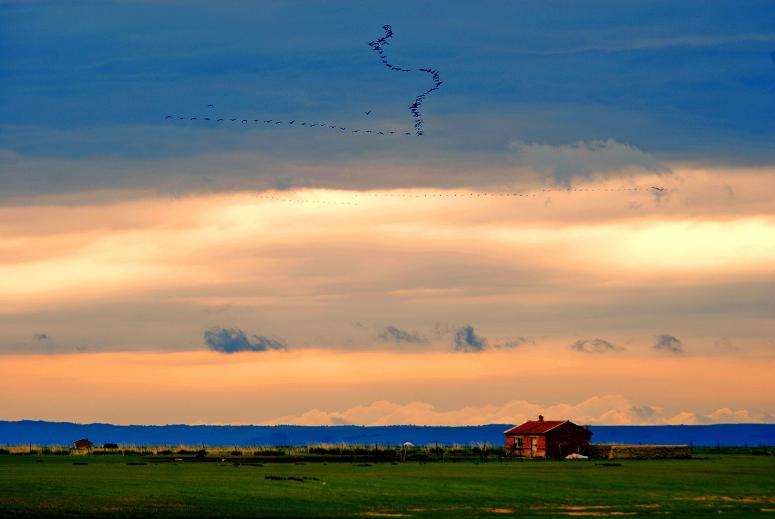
63, 433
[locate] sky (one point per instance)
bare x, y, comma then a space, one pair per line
516, 258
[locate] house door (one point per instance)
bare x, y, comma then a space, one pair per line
533, 446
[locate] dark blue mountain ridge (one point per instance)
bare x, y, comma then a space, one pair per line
26, 432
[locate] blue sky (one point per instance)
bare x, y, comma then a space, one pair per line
673, 79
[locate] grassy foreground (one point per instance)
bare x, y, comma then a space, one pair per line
741, 486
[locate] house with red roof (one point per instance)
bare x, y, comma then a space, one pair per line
83, 444
547, 439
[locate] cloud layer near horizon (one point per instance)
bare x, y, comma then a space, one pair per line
323, 386
603, 410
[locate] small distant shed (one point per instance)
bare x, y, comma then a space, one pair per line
547, 439
83, 444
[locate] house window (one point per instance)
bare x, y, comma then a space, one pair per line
518, 442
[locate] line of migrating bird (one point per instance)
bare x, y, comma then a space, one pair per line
377, 45
292, 122
455, 195
526, 194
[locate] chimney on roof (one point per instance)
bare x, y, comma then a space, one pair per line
540, 418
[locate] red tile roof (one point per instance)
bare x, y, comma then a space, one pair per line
535, 427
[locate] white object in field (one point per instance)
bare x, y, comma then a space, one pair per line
576, 456
408, 444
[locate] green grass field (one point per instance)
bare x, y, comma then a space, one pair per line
740, 486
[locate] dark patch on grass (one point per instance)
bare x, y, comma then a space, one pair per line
136, 463
270, 452
608, 464
80, 463
299, 479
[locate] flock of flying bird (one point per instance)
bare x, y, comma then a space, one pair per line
292, 122
355, 196
377, 45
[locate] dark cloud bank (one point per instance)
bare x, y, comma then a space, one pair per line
86, 91
234, 340
393, 334
594, 346
669, 343
466, 340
